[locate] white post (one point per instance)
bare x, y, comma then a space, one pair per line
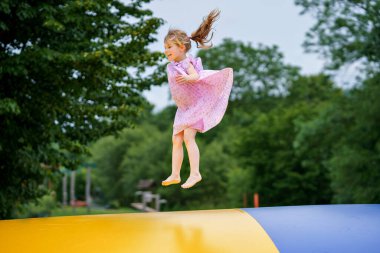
88, 189
157, 202
64, 189
72, 190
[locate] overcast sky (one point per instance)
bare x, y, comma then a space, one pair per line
269, 22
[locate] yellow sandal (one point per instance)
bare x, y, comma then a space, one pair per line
170, 182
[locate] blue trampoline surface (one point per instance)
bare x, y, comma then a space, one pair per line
322, 228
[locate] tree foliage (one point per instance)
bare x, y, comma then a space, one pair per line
345, 31
280, 172
349, 130
70, 72
346, 136
122, 161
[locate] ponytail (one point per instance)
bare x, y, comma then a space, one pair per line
201, 34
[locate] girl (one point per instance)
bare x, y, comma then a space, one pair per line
200, 95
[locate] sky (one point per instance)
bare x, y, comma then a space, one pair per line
268, 22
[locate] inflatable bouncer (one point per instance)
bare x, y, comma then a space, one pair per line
293, 229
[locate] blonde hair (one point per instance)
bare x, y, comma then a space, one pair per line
200, 36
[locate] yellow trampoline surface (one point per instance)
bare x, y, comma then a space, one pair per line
231, 230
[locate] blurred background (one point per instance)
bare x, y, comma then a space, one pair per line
86, 116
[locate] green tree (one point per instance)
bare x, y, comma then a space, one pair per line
239, 184
70, 72
346, 138
267, 148
107, 153
345, 31
140, 153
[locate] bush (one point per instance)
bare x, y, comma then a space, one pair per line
42, 207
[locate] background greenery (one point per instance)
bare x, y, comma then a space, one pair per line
68, 79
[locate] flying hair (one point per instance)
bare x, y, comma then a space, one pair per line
200, 36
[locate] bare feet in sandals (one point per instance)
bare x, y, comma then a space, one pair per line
171, 180
191, 181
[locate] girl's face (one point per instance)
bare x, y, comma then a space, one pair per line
174, 52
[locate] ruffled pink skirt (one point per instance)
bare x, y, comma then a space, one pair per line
201, 105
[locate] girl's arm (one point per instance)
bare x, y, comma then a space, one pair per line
191, 77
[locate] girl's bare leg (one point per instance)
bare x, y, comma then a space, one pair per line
193, 152
177, 158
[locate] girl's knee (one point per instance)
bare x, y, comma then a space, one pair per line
177, 139
189, 135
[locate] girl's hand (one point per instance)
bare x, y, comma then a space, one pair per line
190, 78
183, 79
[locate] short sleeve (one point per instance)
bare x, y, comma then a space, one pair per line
174, 69
169, 69
197, 63
185, 64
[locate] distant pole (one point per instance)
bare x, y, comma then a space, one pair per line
256, 200
72, 190
64, 189
245, 200
158, 202
88, 189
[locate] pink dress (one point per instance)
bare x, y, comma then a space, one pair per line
202, 104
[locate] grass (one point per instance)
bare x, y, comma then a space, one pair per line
69, 211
